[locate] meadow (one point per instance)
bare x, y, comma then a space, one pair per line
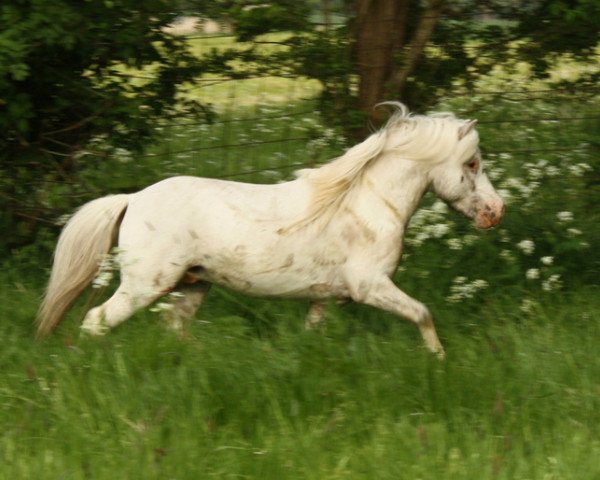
248, 393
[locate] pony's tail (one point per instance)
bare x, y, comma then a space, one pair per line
88, 235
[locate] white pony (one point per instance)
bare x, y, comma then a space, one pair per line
333, 232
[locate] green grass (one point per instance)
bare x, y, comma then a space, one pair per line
211, 89
249, 394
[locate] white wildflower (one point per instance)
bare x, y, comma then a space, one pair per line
123, 155
564, 216
461, 289
573, 232
454, 243
547, 260
552, 283
470, 239
515, 183
329, 133
106, 267
102, 279
579, 169
528, 305
495, 173
525, 189
532, 273
440, 229
506, 196
439, 207
162, 307
504, 236
526, 246
533, 171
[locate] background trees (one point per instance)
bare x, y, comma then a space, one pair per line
416, 51
73, 72
63, 83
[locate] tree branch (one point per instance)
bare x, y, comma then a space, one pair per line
81, 122
415, 49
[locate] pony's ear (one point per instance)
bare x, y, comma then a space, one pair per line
465, 128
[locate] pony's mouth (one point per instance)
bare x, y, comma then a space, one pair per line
489, 217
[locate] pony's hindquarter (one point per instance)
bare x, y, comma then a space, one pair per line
88, 235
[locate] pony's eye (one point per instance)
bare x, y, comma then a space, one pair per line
473, 165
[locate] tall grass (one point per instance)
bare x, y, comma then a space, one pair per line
249, 394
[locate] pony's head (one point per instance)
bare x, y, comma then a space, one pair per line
443, 150
460, 179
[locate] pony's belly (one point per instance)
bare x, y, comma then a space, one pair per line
287, 284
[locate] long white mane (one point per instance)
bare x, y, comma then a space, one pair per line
430, 139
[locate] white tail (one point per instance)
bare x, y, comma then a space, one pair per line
89, 234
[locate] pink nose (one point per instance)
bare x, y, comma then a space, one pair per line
490, 215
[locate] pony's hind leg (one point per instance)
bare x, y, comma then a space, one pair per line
139, 288
185, 303
118, 308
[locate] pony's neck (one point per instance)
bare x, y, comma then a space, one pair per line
398, 184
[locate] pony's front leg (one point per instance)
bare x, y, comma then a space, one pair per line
384, 294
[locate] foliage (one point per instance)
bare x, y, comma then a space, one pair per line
558, 26
287, 15
470, 39
65, 79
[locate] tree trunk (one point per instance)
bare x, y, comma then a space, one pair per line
380, 35
414, 50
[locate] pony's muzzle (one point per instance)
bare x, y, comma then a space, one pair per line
490, 214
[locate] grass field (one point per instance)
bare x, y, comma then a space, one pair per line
249, 394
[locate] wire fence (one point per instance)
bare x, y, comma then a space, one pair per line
267, 126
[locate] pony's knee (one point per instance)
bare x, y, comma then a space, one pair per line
422, 316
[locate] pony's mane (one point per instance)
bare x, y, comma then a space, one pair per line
413, 137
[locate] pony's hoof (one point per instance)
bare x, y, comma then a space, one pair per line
93, 329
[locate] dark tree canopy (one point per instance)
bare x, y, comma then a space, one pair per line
65, 78
63, 65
